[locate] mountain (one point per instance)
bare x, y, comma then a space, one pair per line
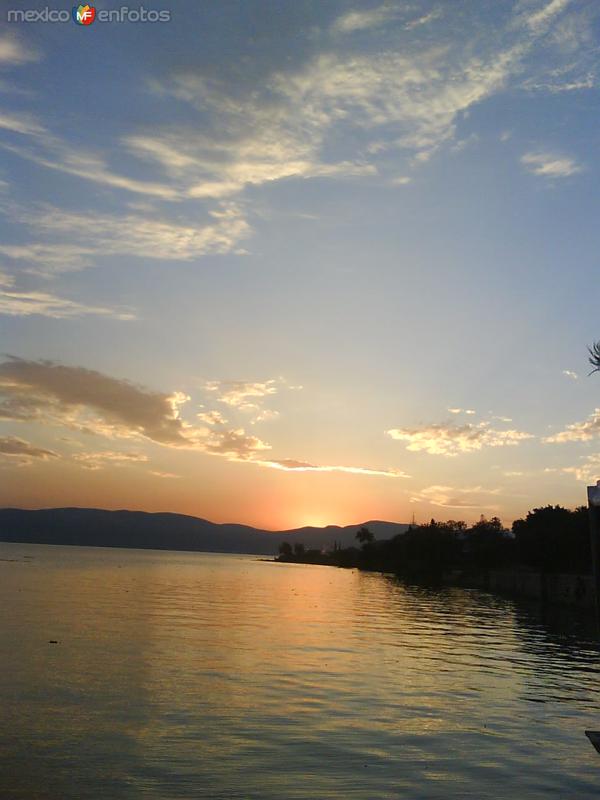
164, 531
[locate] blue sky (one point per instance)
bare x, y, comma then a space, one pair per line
301, 262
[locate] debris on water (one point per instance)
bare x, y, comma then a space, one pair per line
52, 641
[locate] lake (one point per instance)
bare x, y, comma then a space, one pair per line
189, 675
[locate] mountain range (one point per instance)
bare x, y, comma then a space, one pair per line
94, 527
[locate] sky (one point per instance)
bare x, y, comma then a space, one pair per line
289, 263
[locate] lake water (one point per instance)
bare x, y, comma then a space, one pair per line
184, 675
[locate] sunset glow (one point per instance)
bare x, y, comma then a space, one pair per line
345, 274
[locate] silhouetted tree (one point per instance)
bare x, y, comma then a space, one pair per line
285, 550
594, 357
487, 543
554, 539
364, 536
298, 549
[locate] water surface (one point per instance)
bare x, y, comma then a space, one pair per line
186, 675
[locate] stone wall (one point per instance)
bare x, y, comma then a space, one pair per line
560, 589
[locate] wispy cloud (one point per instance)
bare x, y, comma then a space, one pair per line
20, 122
17, 303
22, 452
212, 418
447, 439
570, 374
354, 21
14, 52
425, 19
49, 258
588, 470
292, 465
386, 100
550, 165
407, 100
539, 19
109, 458
243, 395
578, 431
457, 497
137, 235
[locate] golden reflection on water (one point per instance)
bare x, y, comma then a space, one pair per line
192, 675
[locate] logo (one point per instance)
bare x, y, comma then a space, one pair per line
84, 15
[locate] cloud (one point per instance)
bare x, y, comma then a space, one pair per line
424, 20
243, 394
159, 474
49, 257
578, 431
401, 180
152, 238
453, 497
447, 439
539, 20
22, 123
371, 104
90, 402
363, 103
17, 303
363, 20
123, 234
87, 400
235, 444
47, 150
588, 471
265, 415
14, 52
112, 458
570, 374
292, 465
549, 165
22, 452
212, 418
364, 98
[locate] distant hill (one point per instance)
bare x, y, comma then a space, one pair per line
94, 527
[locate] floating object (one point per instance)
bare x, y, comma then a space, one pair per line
594, 737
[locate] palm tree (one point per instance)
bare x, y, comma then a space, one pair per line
364, 536
594, 358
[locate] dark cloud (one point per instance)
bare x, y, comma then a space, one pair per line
86, 399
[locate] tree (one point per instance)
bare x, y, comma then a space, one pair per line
554, 539
487, 543
298, 549
365, 536
285, 550
594, 357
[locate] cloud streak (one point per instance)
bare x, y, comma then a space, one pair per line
18, 303
292, 465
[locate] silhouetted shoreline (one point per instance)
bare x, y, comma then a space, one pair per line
546, 556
